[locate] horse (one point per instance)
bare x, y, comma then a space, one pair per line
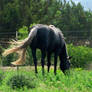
49, 39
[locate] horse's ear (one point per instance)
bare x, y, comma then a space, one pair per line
69, 57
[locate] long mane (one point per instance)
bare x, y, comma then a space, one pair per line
57, 30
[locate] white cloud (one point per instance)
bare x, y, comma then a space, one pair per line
87, 4
76, 1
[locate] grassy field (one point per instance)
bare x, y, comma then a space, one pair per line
77, 80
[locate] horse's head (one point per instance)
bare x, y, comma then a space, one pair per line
65, 64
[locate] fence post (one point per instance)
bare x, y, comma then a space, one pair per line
16, 35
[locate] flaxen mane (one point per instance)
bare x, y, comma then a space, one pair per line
57, 30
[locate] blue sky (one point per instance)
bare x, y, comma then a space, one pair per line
87, 4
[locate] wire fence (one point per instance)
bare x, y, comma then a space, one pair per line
5, 37
79, 37
76, 37
8, 35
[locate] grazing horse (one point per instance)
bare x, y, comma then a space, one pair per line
48, 39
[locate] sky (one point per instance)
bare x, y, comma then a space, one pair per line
87, 4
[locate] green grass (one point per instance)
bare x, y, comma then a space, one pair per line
77, 80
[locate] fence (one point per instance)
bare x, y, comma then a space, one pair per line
76, 37
6, 36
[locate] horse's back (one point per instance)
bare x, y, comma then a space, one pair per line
46, 38
41, 39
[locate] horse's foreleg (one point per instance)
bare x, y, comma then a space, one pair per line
43, 60
48, 61
35, 59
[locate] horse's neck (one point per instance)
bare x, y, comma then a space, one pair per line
64, 52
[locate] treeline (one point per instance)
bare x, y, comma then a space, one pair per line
68, 16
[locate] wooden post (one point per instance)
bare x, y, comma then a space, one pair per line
17, 67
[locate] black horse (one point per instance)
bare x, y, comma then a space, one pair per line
48, 39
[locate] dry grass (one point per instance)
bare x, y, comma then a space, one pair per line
29, 68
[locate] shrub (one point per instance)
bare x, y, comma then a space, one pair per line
1, 77
81, 55
6, 61
1, 50
21, 81
23, 32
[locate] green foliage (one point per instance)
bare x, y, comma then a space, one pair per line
29, 57
81, 55
6, 61
1, 77
1, 50
23, 32
32, 25
21, 81
77, 81
15, 14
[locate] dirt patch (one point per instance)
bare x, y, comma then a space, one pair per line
29, 68
89, 66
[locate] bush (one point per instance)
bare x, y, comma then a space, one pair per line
6, 61
23, 32
21, 81
1, 50
81, 55
1, 77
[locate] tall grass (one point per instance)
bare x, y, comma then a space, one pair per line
77, 80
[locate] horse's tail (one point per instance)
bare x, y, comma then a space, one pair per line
21, 47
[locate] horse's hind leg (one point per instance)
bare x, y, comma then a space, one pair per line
35, 59
48, 61
55, 63
43, 60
